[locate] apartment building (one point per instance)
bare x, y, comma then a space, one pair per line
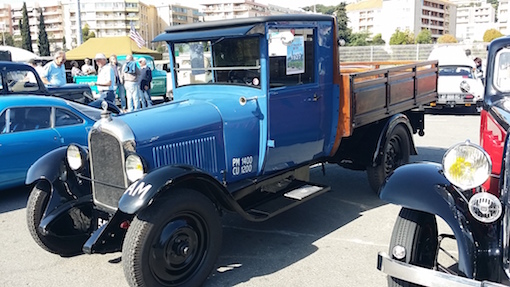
503, 23
385, 17
10, 16
365, 16
175, 14
473, 19
221, 9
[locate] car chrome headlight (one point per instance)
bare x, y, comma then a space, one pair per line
134, 167
466, 165
74, 157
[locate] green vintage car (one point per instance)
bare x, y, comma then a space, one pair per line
158, 85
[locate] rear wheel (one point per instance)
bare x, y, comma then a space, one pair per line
415, 232
174, 242
395, 153
68, 232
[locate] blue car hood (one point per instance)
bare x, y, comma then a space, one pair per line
174, 122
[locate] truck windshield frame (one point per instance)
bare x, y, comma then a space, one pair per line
232, 61
502, 70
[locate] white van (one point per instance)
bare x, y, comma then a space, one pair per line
457, 85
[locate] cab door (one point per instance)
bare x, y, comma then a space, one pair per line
296, 99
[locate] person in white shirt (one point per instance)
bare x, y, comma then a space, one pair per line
87, 68
105, 79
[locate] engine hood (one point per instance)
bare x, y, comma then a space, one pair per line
173, 122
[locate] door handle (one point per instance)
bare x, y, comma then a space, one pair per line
315, 97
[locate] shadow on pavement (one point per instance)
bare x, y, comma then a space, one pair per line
13, 199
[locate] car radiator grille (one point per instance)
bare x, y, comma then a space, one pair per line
107, 162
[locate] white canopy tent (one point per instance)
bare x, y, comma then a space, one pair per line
20, 55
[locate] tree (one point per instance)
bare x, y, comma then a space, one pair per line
402, 37
491, 34
86, 33
64, 44
447, 38
7, 39
359, 39
424, 37
377, 40
44, 45
344, 32
26, 38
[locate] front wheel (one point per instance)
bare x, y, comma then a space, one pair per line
396, 152
174, 242
415, 237
68, 231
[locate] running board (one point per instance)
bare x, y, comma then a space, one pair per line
278, 202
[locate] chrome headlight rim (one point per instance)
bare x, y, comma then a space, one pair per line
466, 165
134, 167
75, 157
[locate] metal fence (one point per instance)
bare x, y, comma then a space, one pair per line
416, 52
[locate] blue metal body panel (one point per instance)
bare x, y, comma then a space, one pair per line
19, 150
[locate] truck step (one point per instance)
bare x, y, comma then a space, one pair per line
277, 202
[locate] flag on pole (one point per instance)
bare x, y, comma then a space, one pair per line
135, 36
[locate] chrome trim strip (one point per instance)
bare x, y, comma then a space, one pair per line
423, 276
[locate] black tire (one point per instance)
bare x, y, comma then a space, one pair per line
396, 152
72, 231
185, 253
416, 231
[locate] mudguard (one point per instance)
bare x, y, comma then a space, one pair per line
398, 119
422, 186
139, 194
46, 167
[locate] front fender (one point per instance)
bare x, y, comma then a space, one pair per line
139, 194
422, 186
46, 167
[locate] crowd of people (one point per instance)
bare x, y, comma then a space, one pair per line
130, 82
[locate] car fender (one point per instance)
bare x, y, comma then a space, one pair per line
46, 167
423, 187
141, 193
394, 121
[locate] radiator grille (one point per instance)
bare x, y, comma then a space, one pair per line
199, 152
107, 161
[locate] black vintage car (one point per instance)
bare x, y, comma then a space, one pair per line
469, 191
22, 79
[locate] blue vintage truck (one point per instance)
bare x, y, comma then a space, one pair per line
261, 100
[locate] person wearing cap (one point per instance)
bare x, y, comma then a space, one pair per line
105, 79
55, 72
130, 75
145, 83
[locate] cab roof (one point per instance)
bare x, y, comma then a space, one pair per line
232, 27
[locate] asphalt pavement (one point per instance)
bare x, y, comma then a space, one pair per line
331, 240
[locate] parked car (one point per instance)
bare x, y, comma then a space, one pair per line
469, 192
458, 84
22, 79
31, 126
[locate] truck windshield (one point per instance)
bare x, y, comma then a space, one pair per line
502, 70
222, 61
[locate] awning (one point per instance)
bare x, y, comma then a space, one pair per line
122, 45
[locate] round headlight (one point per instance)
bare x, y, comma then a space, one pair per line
74, 157
134, 167
466, 165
